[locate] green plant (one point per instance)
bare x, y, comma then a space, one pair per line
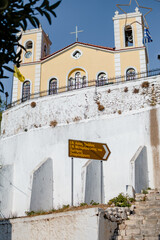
131, 199
15, 15
83, 204
144, 191
93, 203
2, 106
65, 206
31, 213
120, 201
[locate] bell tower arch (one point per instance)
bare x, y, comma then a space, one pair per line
128, 30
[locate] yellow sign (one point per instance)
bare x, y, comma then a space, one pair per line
90, 150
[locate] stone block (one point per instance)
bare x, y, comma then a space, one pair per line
139, 237
133, 222
134, 231
151, 238
122, 226
134, 226
122, 232
148, 232
158, 197
150, 222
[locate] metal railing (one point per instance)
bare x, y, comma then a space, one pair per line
96, 83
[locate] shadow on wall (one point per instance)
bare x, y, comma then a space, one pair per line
94, 186
42, 187
139, 170
5, 230
6, 190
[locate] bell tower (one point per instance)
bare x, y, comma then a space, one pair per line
128, 30
37, 44
129, 47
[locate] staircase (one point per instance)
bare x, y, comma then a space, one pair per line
144, 224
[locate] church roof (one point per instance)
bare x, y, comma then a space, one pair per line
80, 44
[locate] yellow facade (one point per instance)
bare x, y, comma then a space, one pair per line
81, 61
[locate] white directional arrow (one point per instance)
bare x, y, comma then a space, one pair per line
106, 154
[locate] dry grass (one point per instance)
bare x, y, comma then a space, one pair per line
77, 119
145, 84
136, 90
53, 123
100, 106
66, 208
126, 89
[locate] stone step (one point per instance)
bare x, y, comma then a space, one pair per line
144, 224
148, 211
138, 237
131, 232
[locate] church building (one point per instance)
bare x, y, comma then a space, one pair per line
79, 64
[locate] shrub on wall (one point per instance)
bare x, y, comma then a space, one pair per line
145, 84
53, 123
100, 106
121, 201
136, 90
126, 89
77, 119
33, 104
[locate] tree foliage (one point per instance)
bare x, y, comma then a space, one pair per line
14, 16
2, 107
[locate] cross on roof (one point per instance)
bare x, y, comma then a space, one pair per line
76, 32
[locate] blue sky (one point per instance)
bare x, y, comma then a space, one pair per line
95, 18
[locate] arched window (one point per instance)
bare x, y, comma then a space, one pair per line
71, 83
84, 81
29, 45
101, 79
77, 82
53, 86
26, 91
45, 50
130, 74
128, 36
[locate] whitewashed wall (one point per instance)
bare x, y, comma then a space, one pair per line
68, 108
28, 141
75, 225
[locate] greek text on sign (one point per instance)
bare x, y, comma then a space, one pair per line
90, 150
